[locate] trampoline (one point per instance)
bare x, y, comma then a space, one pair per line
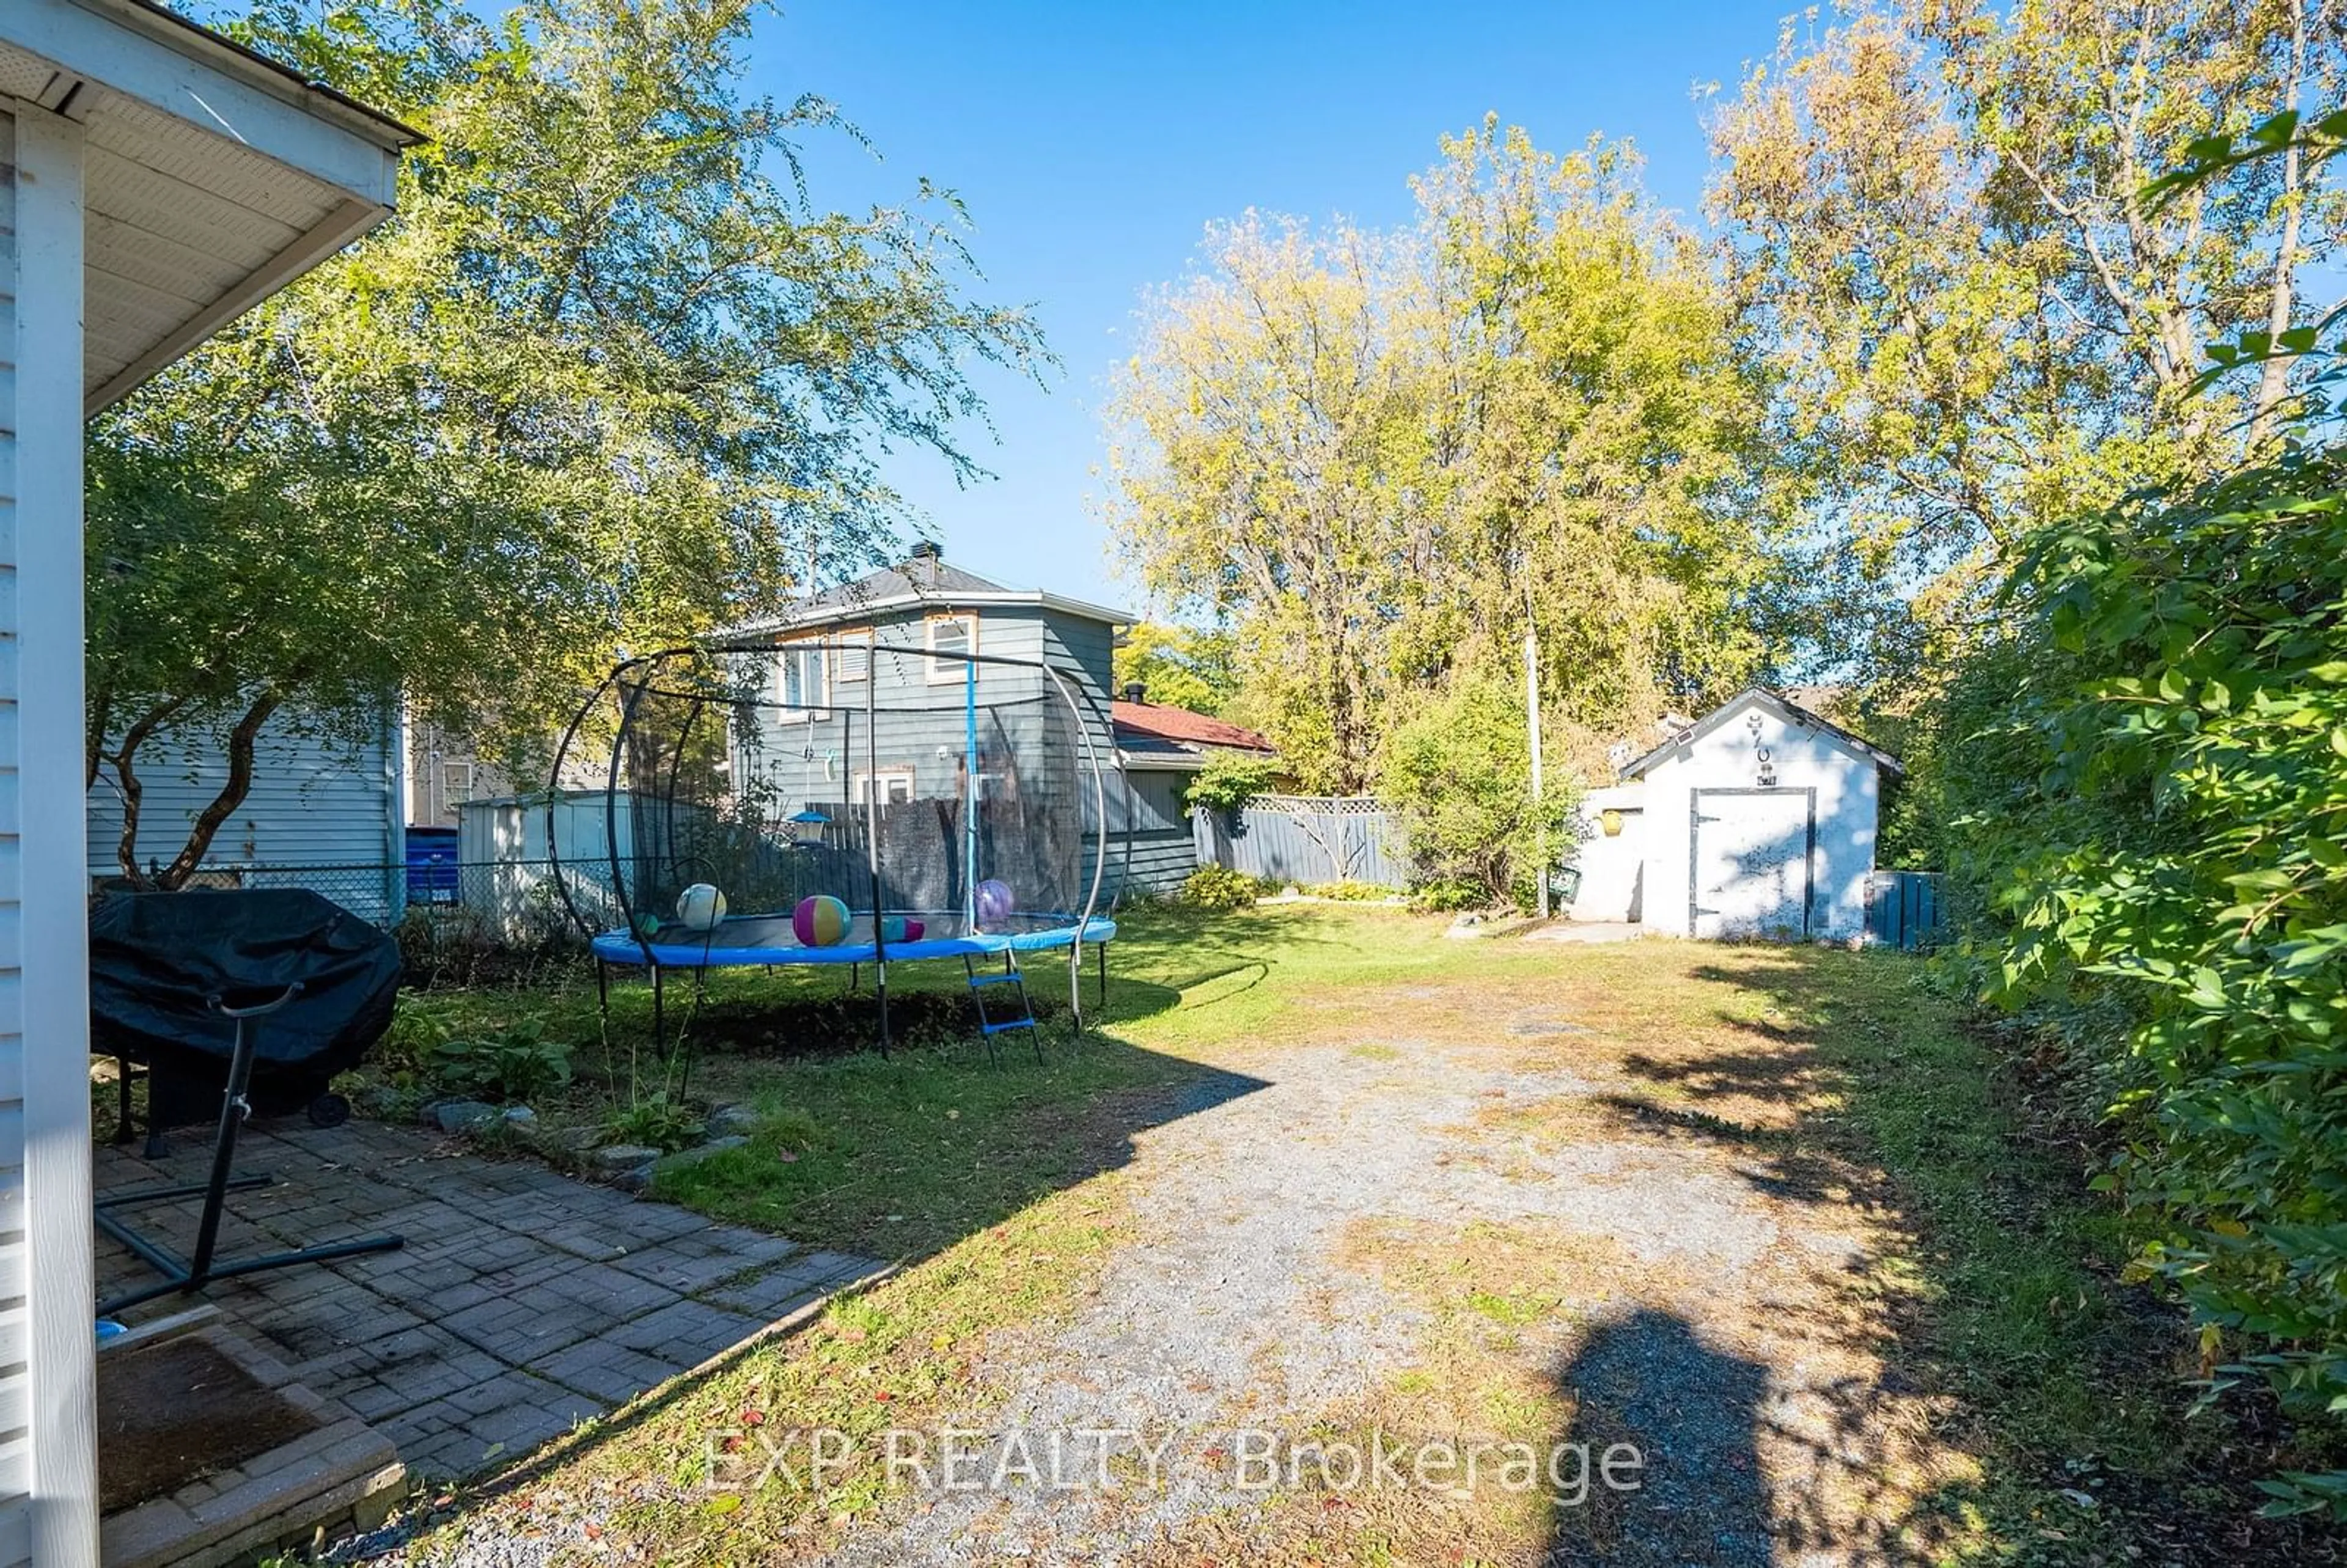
857, 801
761, 939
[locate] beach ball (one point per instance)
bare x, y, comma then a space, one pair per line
699, 906
897, 928
819, 921
995, 901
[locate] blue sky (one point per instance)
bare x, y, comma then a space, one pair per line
1094, 142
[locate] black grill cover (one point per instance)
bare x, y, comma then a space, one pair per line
154, 958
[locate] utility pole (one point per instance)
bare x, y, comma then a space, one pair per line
1532, 728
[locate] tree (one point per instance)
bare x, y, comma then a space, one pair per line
1455, 776
1603, 482
1976, 326
2138, 770
607, 378
1178, 665
1267, 431
1376, 455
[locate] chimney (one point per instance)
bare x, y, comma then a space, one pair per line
927, 558
1135, 692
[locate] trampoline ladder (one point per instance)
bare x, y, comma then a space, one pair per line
989, 1027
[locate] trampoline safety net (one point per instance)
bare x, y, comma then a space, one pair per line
960, 793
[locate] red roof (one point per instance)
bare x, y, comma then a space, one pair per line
1154, 720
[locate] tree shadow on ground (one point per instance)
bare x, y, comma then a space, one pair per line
1975, 1320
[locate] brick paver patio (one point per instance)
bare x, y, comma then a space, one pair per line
523, 1302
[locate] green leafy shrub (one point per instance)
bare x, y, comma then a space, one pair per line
654, 1122
1455, 776
454, 947
1227, 780
1220, 887
520, 1064
2152, 773
1448, 896
408, 1054
1351, 892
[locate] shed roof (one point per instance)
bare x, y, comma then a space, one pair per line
1790, 711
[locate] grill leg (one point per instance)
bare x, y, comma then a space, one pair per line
234, 1108
201, 1268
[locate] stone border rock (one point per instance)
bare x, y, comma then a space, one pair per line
631, 1167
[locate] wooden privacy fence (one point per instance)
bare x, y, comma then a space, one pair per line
1903, 907
1303, 839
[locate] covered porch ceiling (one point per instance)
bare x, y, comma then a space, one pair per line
211, 177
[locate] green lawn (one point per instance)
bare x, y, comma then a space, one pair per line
2039, 1400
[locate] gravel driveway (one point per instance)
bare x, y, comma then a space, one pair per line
1245, 1309
1459, 1211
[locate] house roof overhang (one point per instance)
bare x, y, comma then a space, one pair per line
1156, 725
1145, 761
212, 177
1790, 711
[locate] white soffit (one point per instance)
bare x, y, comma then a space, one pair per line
212, 177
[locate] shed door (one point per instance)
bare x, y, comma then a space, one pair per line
1749, 874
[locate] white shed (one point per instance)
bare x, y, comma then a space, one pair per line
508, 846
1757, 820
156, 179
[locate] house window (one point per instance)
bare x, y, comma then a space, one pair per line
851, 660
896, 785
798, 682
455, 786
950, 635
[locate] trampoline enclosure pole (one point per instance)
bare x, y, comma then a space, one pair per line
872, 839
970, 796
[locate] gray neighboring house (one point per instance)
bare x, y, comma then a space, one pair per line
1163, 748
315, 802
445, 772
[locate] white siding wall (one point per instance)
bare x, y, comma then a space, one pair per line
1612, 870
314, 803
1803, 757
48, 1384
16, 1538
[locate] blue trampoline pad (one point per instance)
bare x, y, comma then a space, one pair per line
743, 940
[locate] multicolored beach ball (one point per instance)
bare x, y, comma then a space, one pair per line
820, 921
699, 906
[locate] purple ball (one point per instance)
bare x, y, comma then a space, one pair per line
995, 901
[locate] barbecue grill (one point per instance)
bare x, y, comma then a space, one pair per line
183, 983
